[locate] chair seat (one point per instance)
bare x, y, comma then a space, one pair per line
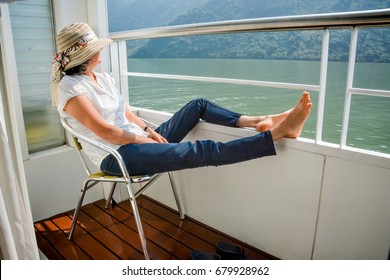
99, 175
103, 176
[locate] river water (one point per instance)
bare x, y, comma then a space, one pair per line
369, 126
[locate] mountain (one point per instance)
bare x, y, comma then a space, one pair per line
305, 45
214, 10
136, 14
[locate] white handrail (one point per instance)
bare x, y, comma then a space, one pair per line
300, 22
224, 81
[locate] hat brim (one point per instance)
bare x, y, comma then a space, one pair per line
87, 52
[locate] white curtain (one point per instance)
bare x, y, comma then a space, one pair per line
17, 238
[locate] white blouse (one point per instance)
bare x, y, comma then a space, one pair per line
106, 100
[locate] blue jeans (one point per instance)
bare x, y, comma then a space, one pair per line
156, 158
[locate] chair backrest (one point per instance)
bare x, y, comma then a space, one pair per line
76, 136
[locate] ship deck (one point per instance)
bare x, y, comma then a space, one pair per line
112, 234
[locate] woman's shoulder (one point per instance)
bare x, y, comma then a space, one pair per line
70, 80
73, 85
105, 76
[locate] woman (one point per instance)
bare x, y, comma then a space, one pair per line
92, 105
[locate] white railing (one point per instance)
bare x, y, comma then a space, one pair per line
324, 22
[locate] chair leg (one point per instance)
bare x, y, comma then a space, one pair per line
138, 222
110, 195
77, 210
176, 195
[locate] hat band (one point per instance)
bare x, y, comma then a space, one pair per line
81, 43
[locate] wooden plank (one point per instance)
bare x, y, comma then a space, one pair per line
152, 235
56, 237
46, 248
203, 231
187, 224
112, 234
175, 232
84, 240
125, 233
112, 242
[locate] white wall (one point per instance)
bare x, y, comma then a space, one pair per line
68, 11
55, 179
354, 221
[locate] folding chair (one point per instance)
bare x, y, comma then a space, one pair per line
95, 178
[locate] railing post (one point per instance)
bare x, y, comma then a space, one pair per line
322, 91
122, 51
115, 63
348, 93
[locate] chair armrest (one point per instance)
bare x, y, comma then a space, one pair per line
98, 145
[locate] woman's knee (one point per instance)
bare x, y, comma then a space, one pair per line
200, 101
201, 104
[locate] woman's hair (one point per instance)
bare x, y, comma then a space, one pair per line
79, 69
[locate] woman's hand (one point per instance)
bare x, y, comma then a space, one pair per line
155, 136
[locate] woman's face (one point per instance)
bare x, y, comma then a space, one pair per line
95, 59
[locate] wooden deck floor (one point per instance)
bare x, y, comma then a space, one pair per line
112, 234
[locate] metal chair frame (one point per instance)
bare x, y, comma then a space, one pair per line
99, 177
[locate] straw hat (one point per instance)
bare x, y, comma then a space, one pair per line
77, 43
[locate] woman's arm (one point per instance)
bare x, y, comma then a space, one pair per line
138, 121
81, 109
131, 117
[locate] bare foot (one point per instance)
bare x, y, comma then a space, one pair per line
271, 121
292, 125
